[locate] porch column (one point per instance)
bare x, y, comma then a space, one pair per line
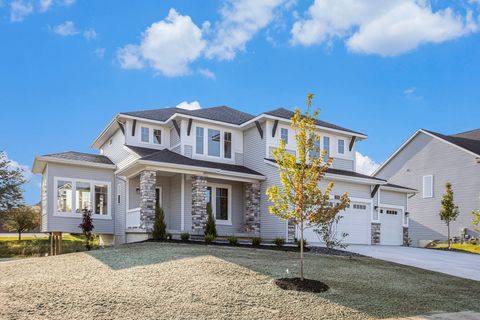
148, 181
199, 203
252, 207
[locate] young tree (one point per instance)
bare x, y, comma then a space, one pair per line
476, 219
11, 181
87, 227
210, 228
22, 219
159, 227
328, 233
300, 199
449, 211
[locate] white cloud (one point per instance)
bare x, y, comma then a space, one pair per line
27, 174
194, 105
411, 93
387, 28
241, 20
90, 34
66, 29
45, 5
207, 73
100, 52
168, 46
365, 164
19, 9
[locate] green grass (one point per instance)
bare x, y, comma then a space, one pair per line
472, 248
27, 237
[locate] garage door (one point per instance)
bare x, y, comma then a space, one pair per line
391, 229
355, 222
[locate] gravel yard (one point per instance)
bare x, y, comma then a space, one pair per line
183, 281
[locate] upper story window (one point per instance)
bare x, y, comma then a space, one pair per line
341, 146
316, 150
326, 147
284, 135
145, 134
227, 145
214, 142
199, 140
428, 186
157, 136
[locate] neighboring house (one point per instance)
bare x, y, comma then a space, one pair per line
427, 161
182, 159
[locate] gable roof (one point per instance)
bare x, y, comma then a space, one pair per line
288, 114
81, 156
471, 146
471, 134
221, 113
73, 158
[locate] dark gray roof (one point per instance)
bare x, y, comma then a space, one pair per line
344, 173
472, 134
471, 145
222, 113
288, 114
168, 156
80, 156
142, 152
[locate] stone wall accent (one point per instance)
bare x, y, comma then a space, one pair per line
148, 181
406, 239
291, 232
252, 207
375, 233
199, 203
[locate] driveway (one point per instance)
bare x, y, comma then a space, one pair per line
463, 265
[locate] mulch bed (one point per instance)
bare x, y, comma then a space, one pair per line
305, 285
334, 252
221, 243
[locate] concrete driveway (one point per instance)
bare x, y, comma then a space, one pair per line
463, 265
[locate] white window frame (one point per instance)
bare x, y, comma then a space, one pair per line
338, 146
288, 135
222, 143
141, 134
73, 213
203, 141
227, 222
153, 136
424, 187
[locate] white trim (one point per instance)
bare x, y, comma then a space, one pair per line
431, 186
182, 205
406, 191
213, 196
410, 139
38, 161
390, 206
74, 214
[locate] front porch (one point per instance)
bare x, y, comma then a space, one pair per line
183, 196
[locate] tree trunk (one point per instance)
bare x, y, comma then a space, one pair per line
301, 251
19, 235
448, 234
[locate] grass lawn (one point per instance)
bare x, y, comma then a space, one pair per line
472, 248
184, 281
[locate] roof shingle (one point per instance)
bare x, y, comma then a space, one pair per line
471, 145
81, 156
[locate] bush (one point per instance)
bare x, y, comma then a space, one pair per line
232, 240
256, 241
210, 228
169, 236
159, 227
474, 241
305, 243
279, 242
209, 238
185, 236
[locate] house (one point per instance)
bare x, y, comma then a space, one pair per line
427, 161
184, 159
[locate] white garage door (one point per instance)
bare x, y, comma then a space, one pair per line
391, 229
355, 222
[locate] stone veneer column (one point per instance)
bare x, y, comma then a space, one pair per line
199, 203
375, 233
148, 181
252, 207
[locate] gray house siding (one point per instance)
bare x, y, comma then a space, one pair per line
174, 137
393, 198
426, 155
115, 151
175, 203
120, 211
70, 224
343, 164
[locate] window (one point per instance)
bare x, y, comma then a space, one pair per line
341, 146
428, 186
284, 135
326, 147
64, 196
199, 140
145, 134
227, 145
158, 197
219, 198
157, 136
360, 206
101, 199
392, 212
214, 142
82, 196
316, 151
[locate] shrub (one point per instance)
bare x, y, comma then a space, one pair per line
256, 241
232, 240
210, 228
279, 242
159, 226
209, 238
185, 236
474, 241
169, 236
87, 227
305, 243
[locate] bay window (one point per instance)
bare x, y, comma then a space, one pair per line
76, 195
219, 197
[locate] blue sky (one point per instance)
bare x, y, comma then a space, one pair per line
385, 68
